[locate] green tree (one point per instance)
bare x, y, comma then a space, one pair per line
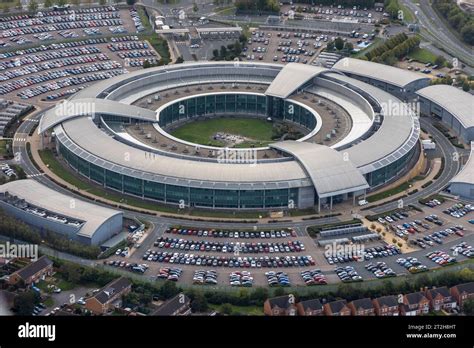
24, 303
102, 2
131, 2
349, 46
168, 290
339, 43
466, 87
440, 60
195, 7
279, 292
32, 6
199, 303
48, 3
226, 308
179, 60
468, 307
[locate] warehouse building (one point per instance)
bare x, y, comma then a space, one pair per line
452, 106
463, 183
49, 210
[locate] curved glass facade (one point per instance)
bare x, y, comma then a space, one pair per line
190, 196
237, 104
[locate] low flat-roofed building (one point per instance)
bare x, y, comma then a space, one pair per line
399, 82
452, 105
47, 209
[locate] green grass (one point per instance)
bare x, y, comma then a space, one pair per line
202, 132
375, 43
3, 147
144, 17
422, 55
245, 310
407, 14
388, 193
160, 46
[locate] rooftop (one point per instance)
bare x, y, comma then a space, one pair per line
382, 72
292, 77
457, 102
113, 288
41, 196
35, 267
466, 174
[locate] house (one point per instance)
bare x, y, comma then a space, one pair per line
337, 308
441, 298
462, 292
362, 307
415, 303
310, 308
109, 296
178, 305
386, 306
280, 306
33, 272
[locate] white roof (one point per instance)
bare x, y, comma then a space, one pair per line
376, 71
330, 172
84, 133
91, 107
466, 174
458, 103
39, 195
291, 77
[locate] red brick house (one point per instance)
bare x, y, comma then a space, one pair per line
462, 292
280, 306
362, 307
415, 303
109, 297
310, 308
337, 308
441, 298
386, 306
33, 272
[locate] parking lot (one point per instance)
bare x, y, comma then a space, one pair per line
48, 69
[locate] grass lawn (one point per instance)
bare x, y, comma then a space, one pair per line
388, 193
245, 310
160, 45
407, 14
3, 146
376, 42
422, 55
202, 132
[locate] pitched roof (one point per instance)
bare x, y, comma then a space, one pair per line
415, 297
34, 267
172, 305
443, 291
466, 287
364, 303
337, 306
280, 302
389, 301
114, 287
314, 304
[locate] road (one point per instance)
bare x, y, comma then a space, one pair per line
451, 167
436, 31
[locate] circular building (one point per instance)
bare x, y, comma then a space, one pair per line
347, 136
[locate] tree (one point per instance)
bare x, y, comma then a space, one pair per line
131, 2
223, 52
179, 60
339, 43
168, 290
24, 303
466, 86
349, 46
468, 307
226, 308
199, 303
102, 2
279, 292
32, 6
440, 60
195, 7
18, 5
48, 3
215, 53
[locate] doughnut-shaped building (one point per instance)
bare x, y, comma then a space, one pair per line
357, 136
